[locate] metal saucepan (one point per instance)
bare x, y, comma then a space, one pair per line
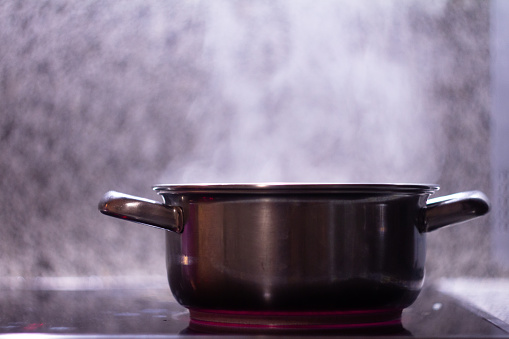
267, 253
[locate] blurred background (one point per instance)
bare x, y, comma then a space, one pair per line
123, 95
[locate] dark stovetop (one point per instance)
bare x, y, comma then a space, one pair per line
133, 312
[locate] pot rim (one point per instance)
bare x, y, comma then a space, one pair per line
295, 188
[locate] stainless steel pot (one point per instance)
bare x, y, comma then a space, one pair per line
267, 253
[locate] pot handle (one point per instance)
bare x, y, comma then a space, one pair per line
149, 212
453, 209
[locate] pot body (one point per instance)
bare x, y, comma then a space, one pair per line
306, 252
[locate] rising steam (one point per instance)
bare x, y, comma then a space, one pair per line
310, 91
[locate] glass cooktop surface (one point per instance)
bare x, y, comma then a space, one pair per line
152, 312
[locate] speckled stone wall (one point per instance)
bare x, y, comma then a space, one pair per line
100, 95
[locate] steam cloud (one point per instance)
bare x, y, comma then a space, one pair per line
311, 91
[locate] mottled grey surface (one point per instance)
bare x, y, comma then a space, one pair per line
99, 95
